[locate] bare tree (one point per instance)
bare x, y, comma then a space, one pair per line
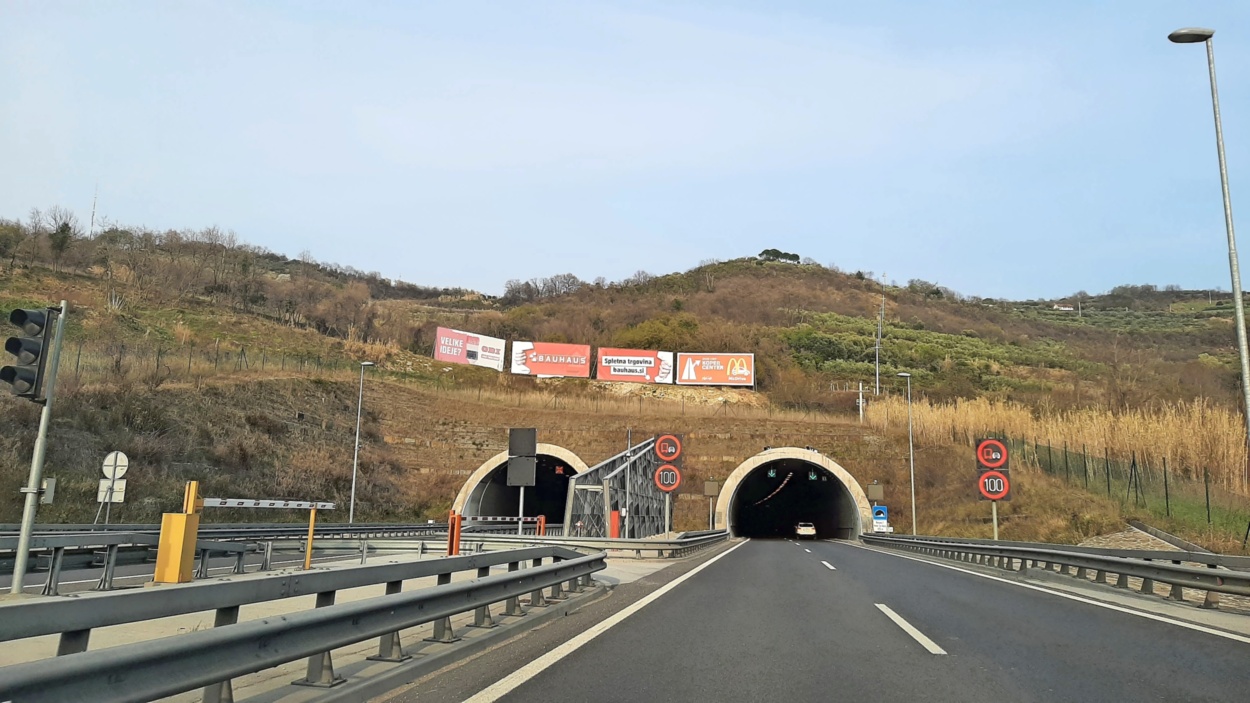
12, 234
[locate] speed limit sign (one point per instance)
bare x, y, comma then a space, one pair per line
668, 478
994, 485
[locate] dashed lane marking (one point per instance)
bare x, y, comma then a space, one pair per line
907, 627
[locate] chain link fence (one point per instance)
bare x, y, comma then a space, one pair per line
1168, 493
92, 362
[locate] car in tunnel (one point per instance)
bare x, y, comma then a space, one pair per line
805, 530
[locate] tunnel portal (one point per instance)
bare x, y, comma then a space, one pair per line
770, 493
494, 496
486, 493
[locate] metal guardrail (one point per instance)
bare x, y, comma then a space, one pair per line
58, 551
210, 658
1239, 563
58, 547
1011, 557
509, 529
470, 542
33, 618
254, 531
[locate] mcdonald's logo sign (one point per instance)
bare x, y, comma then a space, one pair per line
716, 369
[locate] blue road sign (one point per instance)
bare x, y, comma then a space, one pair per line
880, 521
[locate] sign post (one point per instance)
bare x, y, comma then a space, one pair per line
711, 489
115, 466
994, 479
880, 518
668, 478
522, 465
668, 448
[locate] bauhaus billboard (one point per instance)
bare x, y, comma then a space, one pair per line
634, 365
716, 369
549, 360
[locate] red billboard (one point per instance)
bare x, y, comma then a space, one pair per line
550, 360
716, 369
634, 365
467, 348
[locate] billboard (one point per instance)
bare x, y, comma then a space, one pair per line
716, 369
634, 365
549, 360
467, 348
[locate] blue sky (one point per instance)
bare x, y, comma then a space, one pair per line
999, 148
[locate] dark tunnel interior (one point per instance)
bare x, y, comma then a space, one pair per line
494, 497
778, 495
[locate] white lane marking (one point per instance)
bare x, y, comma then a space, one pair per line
808, 551
907, 627
831, 566
1069, 596
507, 684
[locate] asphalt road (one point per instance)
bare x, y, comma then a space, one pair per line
771, 622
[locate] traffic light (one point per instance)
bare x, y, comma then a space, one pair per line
31, 349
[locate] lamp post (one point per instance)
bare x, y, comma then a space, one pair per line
360, 401
911, 452
1195, 35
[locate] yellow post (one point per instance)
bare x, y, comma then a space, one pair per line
312, 525
175, 553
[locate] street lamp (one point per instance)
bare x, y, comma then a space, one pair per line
360, 401
1194, 35
911, 451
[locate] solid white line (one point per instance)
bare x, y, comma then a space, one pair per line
506, 685
808, 551
831, 566
915, 634
1069, 596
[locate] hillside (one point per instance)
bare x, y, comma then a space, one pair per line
812, 325
202, 356
146, 294
291, 438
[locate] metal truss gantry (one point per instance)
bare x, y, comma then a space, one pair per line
622, 483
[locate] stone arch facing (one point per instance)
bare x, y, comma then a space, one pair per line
858, 520
477, 481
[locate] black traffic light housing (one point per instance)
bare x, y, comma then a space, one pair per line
31, 351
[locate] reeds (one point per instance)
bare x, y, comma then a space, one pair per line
1191, 436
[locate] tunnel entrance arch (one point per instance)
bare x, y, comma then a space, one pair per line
771, 492
486, 492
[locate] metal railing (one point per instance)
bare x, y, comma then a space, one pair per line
1011, 556
211, 658
478, 542
1211, 559
66, 547
254, 531
55, 553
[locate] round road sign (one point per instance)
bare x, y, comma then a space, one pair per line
668, 478
668, 447
991, 453
115, 465
994, 485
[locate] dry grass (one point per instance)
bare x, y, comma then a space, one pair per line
1189, 436
709, 404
